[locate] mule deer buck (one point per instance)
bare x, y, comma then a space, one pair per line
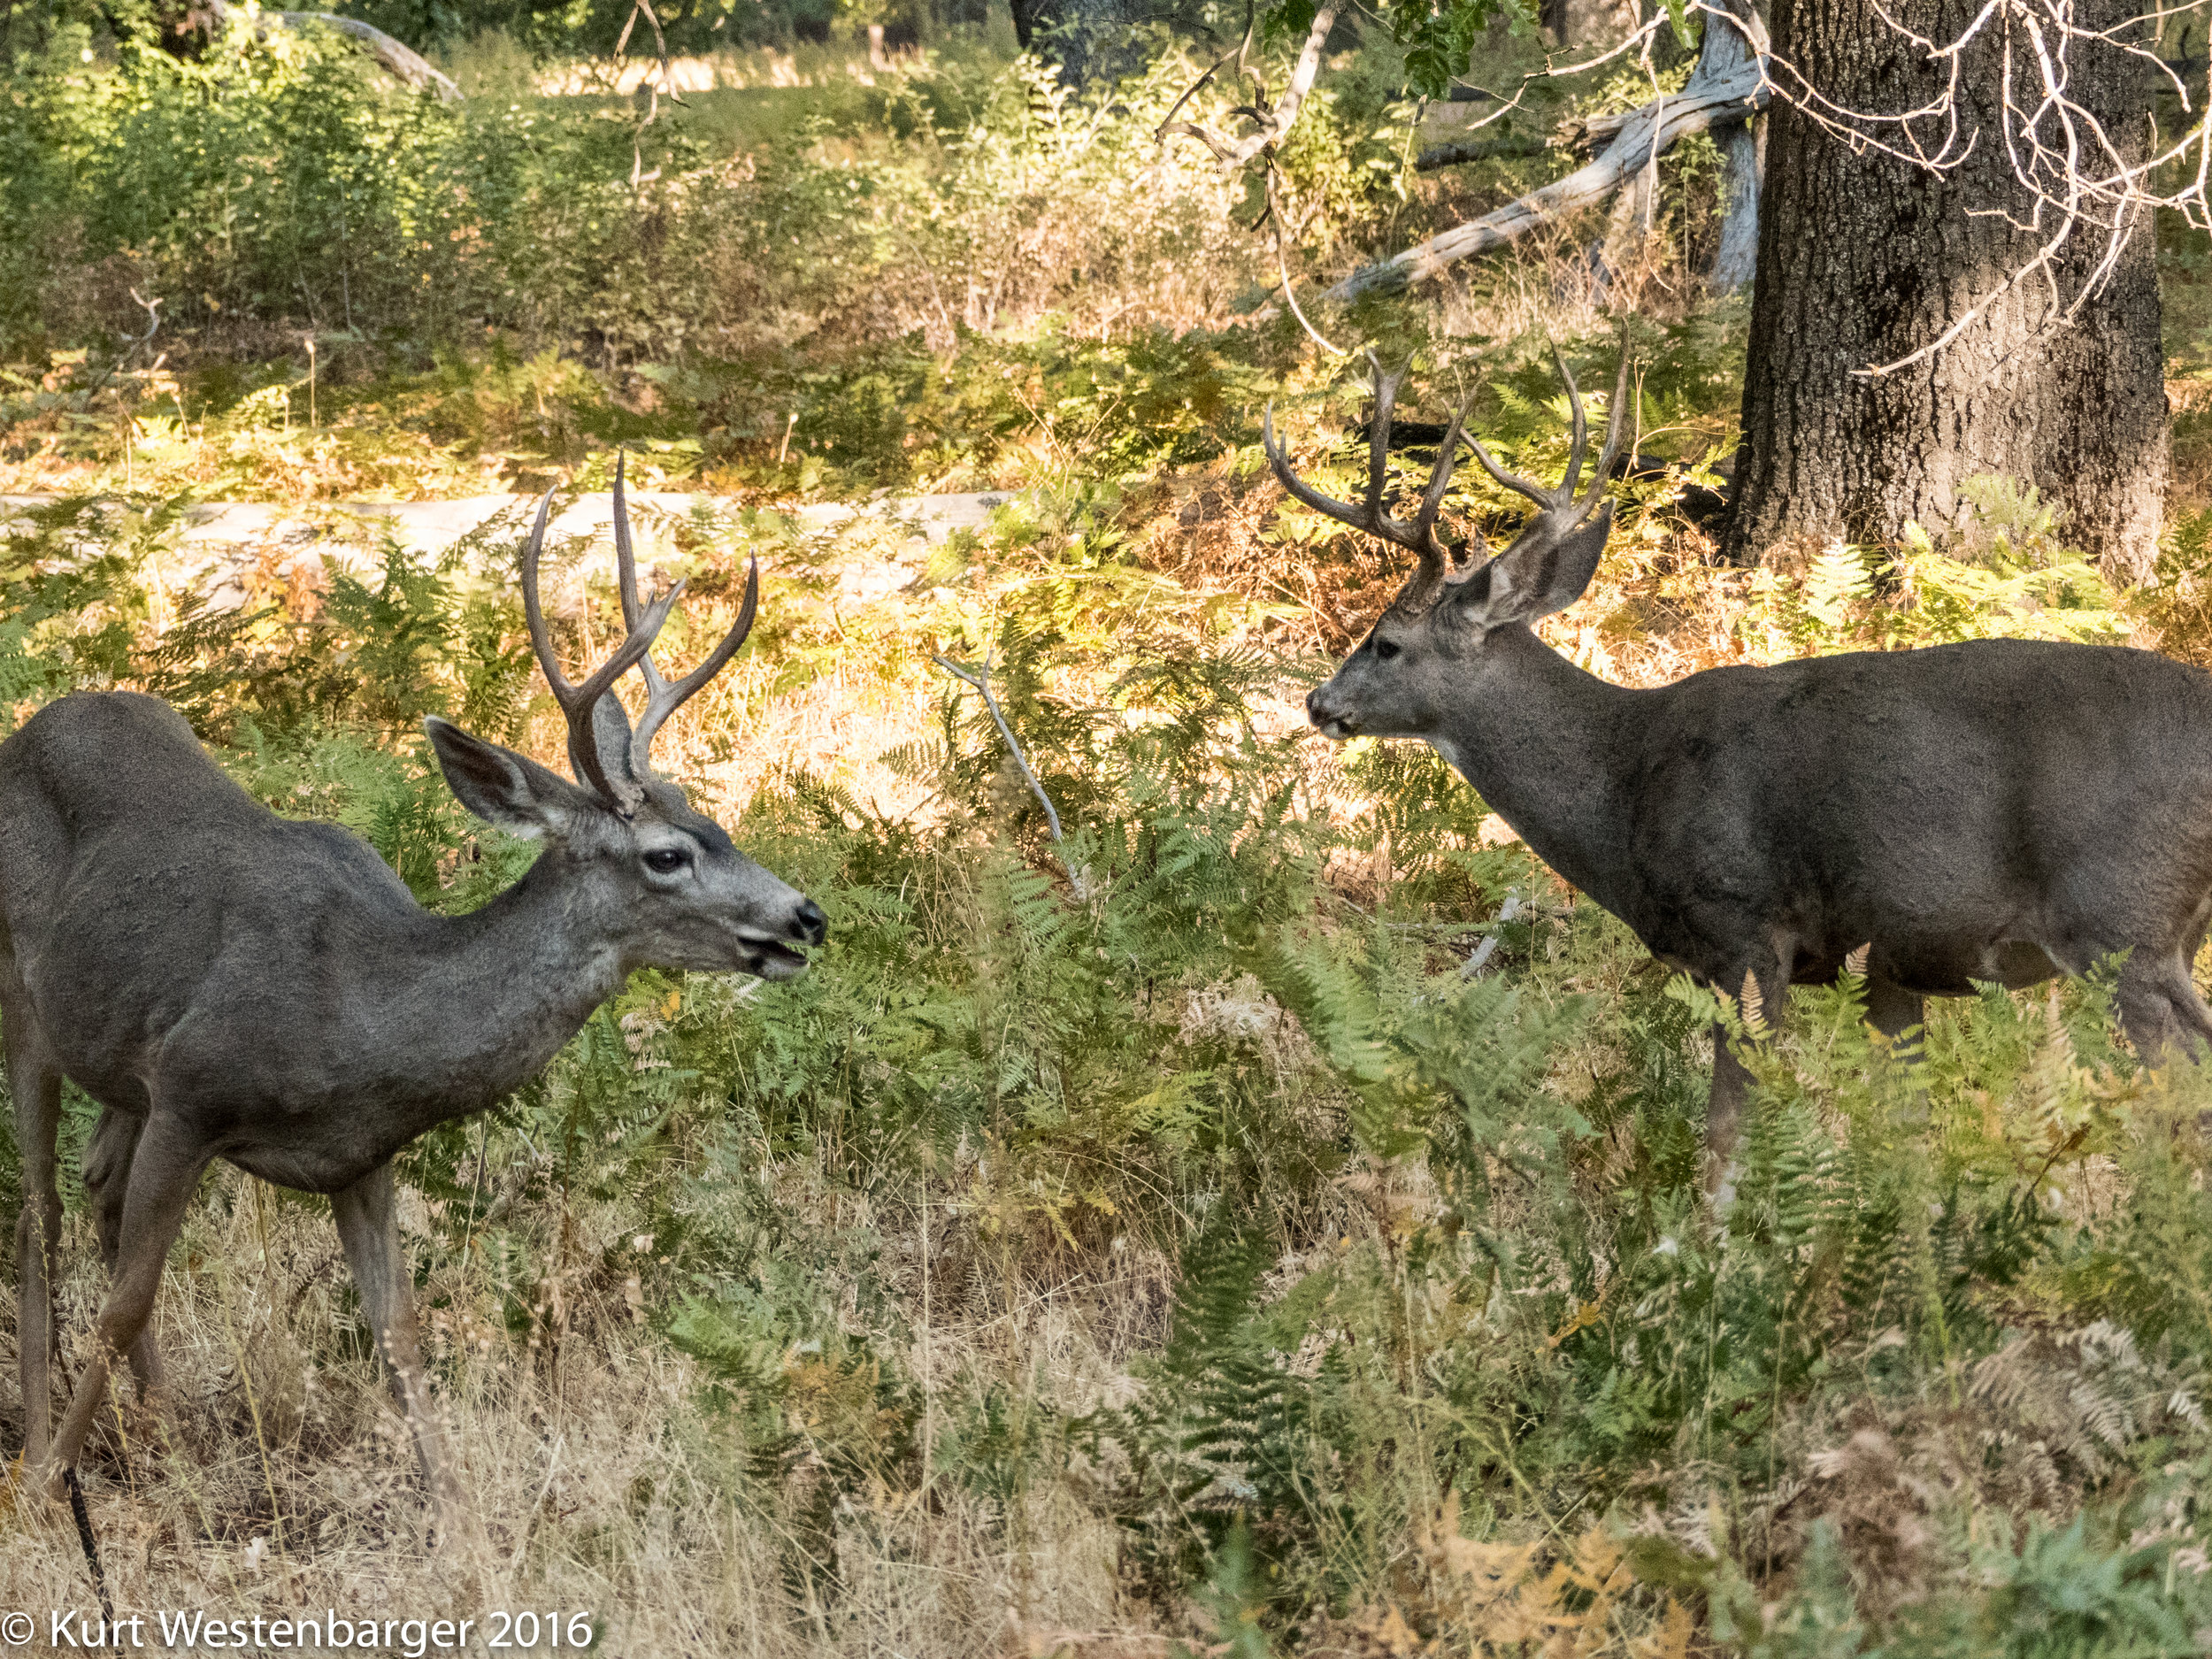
228, 983
2001, 810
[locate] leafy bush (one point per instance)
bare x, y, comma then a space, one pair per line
280, 181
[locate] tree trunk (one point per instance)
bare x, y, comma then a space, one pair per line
1864, 259
1725, 45
1081, 36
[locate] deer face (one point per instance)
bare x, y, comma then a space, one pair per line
1426, 655
666, 883
701, 904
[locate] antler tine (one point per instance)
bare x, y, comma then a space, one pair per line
1440, 480
1613, 417
1329, 506
1513, 481
1379, 440
539, 641
663, 699
1581, 427
577, 702
1418, 537
626, 572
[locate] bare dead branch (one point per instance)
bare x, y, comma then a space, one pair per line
1643, 134
979, 677
1271, 125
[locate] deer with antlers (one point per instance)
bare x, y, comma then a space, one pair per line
229, 984
2000, 810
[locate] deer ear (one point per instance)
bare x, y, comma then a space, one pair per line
1536, 575
508, 791
610, 731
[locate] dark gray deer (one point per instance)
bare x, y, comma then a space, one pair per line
229, 984
2000, 810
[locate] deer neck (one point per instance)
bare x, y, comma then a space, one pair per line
1540, 742
500, 990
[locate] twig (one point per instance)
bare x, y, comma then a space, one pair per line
1282, 262
638, 176
91, 1545
980, 679
138, 342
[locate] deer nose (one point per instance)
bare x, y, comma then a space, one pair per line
809, 923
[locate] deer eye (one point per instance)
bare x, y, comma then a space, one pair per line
1384, 650
666, 861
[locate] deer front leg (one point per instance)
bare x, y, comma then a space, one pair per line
34, 1080
1891, 1009
1723, 1117
1764, 990
107, 1174
164, 1171
368, 1225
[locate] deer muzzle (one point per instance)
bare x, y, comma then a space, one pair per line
1327, 718
774, 957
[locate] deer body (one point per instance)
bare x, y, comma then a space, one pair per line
1971, 810
228, 983
284, 990
1997, 810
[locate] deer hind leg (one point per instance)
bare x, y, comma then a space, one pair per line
107, 1174
368, 1225
1723, 1118
34, 1080
2160, 1009
165, 1172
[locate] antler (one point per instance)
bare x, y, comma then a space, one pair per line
578, 702
661, 698
1418, 537
1554, 500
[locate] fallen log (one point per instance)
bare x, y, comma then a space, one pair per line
410, 65
1699, 107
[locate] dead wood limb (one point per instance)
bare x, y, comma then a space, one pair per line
410, 65
1273, 124
1699, 107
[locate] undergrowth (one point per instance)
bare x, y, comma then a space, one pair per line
1361, 1156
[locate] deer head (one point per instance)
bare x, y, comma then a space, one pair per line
684, 895
1426, 653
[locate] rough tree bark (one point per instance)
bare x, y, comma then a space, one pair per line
1865, 259
1070, 34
